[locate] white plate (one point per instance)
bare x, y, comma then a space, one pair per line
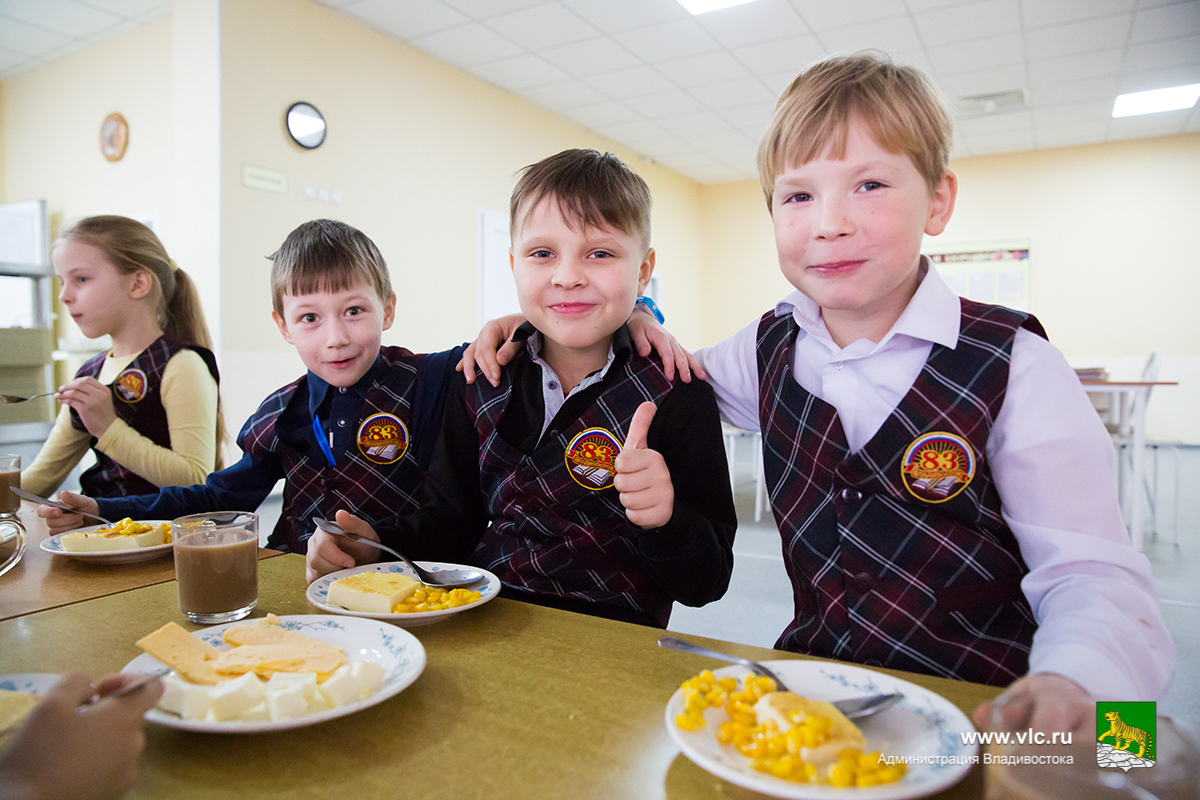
922, 724
318, 592
398, 652
36, 682
53, 545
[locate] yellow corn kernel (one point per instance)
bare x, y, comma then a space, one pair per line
849, 757
728, 684
685, 721
842, 775
869, 762
867, 779
891, 773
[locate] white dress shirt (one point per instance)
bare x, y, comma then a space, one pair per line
1093, 595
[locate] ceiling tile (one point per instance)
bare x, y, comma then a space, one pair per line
595, 115
10, 59
1095, 111
1073, 134
1078, 37
1158, 79
1161, 124
973, 21
542, 26
633, 82
698, 70
519, 72
60, 16
17, 37
132, 8
1001, 79
563, 95
822, 15
754, 22
685, 161
1006, 142
590, 57
668, 40
914, 58
408, 19
776, 82
788, 55
1037, 13
670, 102
995, 123
1160, 55
1074, 68
614, 16
689, 125
749, 118
718, 174
888, 35
668, 148
978, 54
482, 9
1166, 22
918, 6
633, 130
1052, 94
731, 94
466, 45
720, 141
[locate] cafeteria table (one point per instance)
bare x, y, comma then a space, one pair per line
516, 701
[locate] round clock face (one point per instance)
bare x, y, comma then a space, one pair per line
305, 125
114, 137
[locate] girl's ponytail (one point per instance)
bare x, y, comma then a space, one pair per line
130, 246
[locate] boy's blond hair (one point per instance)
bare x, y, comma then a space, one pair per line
325, 255
902, 109
592, 189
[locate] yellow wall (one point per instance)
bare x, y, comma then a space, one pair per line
416, 148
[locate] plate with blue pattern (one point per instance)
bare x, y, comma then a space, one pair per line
924, 729
318, 592
397, 651
53, 546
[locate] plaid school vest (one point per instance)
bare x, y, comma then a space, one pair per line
376, 478
898, 555
137, 399
558, 526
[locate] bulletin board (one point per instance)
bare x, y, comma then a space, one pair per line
989, 272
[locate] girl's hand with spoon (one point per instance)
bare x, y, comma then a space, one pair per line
328, 553
59, 521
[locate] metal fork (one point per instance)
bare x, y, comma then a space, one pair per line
33, 498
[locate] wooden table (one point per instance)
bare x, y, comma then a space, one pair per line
41, 580
517, 701
1132, 398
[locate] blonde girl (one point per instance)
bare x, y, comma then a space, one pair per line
149, 407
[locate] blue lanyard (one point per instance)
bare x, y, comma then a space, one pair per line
323, 441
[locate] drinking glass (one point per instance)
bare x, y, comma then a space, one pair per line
12, 530
216, 565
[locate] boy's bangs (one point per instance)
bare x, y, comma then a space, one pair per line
589, 211
309, 277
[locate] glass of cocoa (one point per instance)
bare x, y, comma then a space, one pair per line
12, 531
216, 565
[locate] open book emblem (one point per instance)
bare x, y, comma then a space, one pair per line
130, 385
937, 466
591, 458
382, 438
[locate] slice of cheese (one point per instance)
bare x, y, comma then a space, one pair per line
182, 652
372, 592
266, 659
787, 710
15, 706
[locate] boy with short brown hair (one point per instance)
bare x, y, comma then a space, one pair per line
585, 480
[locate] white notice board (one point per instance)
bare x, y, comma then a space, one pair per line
988, 272
24, 234
497, 292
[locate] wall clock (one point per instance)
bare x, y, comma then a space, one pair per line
305, 125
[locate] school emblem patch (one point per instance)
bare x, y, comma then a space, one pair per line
131, 385
1125, 735
937, 466
591, 458
382, 438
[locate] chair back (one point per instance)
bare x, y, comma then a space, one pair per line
1150, 371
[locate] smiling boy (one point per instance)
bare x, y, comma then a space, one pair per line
585, 480
355, 432
942, 485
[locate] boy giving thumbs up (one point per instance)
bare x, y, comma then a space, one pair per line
586, 480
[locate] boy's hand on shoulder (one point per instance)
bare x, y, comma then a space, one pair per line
491, 349
642, 475
59, 521
328, 553
646, 335
1044, 701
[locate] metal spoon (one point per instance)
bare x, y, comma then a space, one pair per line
33, 498
445, 577
12, 398
853, 708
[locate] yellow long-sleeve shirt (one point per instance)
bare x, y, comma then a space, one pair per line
189, 396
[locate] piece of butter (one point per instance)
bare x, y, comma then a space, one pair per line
285, 702
306, 681
787, 710
188, 700
342, 688
232, 699
368, 673
371, 592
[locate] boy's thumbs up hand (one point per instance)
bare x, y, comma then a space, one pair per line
642, 475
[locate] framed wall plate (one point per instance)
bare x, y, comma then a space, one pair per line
114, 137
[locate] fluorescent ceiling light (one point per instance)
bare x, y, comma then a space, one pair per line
1176, 97
705, 6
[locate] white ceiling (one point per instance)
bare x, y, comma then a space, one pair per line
694, 93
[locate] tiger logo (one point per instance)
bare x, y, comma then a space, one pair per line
1121, 731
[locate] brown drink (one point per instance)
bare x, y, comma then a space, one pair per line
216, 565
10, 476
